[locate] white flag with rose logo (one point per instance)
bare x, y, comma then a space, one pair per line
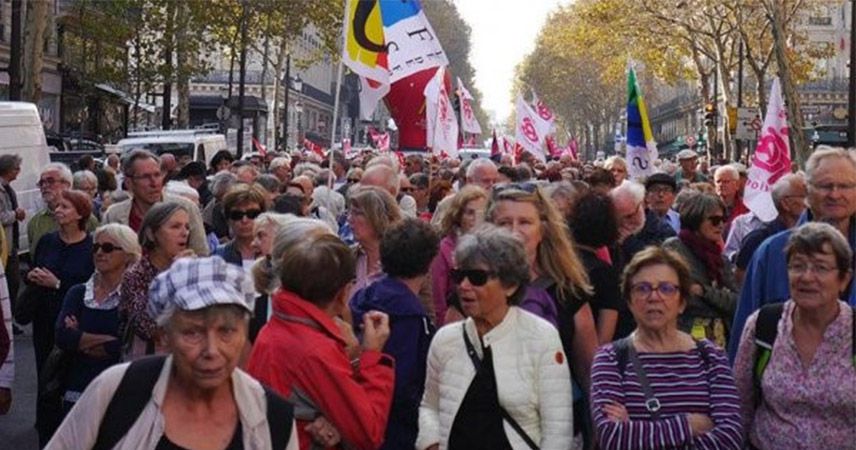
772, 158
442, 125
526, 131
468, 118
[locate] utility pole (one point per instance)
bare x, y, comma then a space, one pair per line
166, 118
851, 97
15, 83
242, 78
287, 83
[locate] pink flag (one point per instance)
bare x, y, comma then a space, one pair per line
494, 146
554, 149
259, 147
573, 148
527, 133
772, 158
544, 115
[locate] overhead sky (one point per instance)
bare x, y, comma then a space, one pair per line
503, 32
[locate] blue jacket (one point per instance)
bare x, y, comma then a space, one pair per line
767, 280
410, 336
229, 252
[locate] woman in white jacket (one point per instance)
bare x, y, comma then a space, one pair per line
499, 379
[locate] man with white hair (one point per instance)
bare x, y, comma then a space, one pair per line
726, 180
638, 227
481, 172
386, 177
54, 179
280, 167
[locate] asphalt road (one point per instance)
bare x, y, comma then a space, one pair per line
16, 428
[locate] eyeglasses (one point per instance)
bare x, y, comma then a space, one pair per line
525, 187
716, 220
49, 182
802, 269
644, 290
149, 176
408, 190
105, 247
660, 190
827, 188
250, 214
477, 277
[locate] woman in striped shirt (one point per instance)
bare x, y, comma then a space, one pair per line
684, 395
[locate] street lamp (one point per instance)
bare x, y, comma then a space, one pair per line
297, 83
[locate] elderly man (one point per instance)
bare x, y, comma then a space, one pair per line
10, 214
688, 159
385, 177
726, 180
146, 183
54, 179
660, 191
481, 172
831, 180
280, 167
638, 227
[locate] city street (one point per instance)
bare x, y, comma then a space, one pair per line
16, 428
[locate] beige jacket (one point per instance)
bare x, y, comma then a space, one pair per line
80, 428
120, 212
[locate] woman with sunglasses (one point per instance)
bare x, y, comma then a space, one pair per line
242, 204
88, 323
499, 379
163, 236
659, 388
560, 290
713, 296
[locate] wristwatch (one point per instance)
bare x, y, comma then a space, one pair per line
58, 283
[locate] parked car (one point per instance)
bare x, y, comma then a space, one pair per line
199, 145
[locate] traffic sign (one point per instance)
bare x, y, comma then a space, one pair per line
223, 112
748, 124
690, 140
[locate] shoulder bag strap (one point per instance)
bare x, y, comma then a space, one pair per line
280, 417
477, 363
651, 402
128, 401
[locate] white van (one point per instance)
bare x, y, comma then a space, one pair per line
199, 145
21, 133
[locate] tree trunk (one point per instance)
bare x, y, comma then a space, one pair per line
168, 69
263, 83
34, 48
800, 149
183, 63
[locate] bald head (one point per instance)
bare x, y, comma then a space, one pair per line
381, 176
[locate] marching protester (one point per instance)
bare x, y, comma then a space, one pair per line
371, 212
796, 361
498, 379
195, 396
242, 205
164, 237
659, 387
87, 325
265, 228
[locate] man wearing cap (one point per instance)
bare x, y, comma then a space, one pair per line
688, 171
660, 191
195, 395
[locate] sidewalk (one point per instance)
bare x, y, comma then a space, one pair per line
16, 428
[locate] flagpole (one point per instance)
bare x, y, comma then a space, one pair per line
331, 181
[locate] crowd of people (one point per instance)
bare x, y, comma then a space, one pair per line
396, 302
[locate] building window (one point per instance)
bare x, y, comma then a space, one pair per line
820, 21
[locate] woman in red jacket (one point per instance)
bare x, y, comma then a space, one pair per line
301, 352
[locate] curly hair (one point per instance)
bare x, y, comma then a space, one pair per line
452, 220
556, 257
407, 248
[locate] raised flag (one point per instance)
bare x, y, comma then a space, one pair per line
442, 129
314, 148
371, 92
544, 115
261, 149
468, 118
527, 134
494, 146
641, 147
573, 149
552, 148
772, 158
386, 41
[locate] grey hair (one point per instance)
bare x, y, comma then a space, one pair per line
384, 160
500, 252
273, 218
278, 162
630, 189
306, 168
695, 209
613, 161
119, 196
64, 171
9, 162
728, 168
560, 189
478, 164
269, 183
323, 177
296, 230
182, 189
784, 185
124, 236
391, 182
822, 152
221, 183
83, 175
154, 219
811, 237
135, 155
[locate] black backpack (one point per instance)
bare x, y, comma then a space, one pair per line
766, 330
135, 391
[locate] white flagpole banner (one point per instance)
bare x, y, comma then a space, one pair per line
526, 131
468, 119
442, 124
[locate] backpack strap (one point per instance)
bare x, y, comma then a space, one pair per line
128, 401
766, 330
853, 336
280, 418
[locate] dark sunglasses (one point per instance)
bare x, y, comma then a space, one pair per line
716, 220
525, 187
477, 277
107, 248
238, 215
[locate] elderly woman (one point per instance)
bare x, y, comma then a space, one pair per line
499, 379
466, 211
196, 396
798, 389
372, 210
163, 237
659, 388
62, 259
560, 290
301, 353
406, 251
713, 295
242, 205
88, 323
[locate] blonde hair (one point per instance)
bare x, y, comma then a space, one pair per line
556, 258
379, 207
452, 220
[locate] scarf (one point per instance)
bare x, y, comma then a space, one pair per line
708, 252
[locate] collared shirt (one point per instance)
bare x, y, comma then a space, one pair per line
805, 406
740, 228
43, 222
